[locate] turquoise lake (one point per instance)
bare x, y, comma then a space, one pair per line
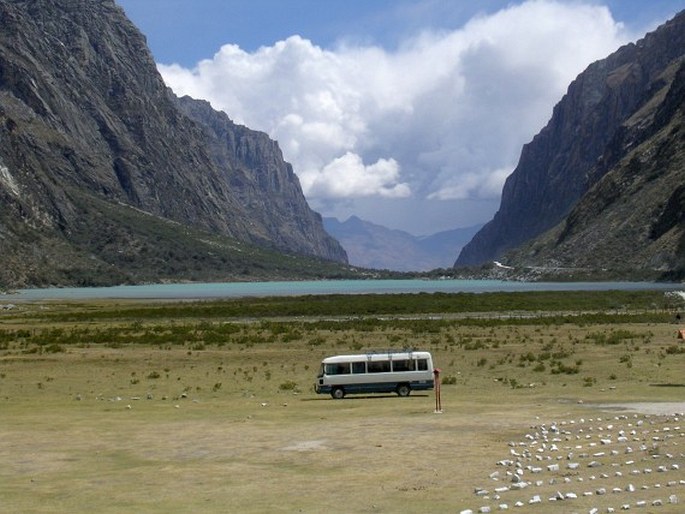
319, 287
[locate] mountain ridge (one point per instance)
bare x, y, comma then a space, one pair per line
85, 117
560, 164
633, 219
374, 246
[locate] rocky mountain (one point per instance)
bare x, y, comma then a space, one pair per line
632, 221
612, 108
93, 146
373, 246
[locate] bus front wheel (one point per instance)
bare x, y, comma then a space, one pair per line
403, 390
338, 393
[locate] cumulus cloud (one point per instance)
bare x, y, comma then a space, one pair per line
441, 118
348, 176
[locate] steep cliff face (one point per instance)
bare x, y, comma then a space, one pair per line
561, 163
264, 184
84, 115
632, 221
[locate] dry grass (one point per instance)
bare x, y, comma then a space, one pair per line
237, 428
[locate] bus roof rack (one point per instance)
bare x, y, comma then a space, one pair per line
390, 351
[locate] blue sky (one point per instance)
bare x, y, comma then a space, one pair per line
407, 113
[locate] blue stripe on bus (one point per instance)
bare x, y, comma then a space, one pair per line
378, 387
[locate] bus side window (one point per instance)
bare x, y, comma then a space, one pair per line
403, 365
341, 368
379, 366
359, 367
422, 364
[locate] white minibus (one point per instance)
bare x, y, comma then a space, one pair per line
386, 372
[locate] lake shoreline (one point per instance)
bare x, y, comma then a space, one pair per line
206, 291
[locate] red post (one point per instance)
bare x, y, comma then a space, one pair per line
436, 382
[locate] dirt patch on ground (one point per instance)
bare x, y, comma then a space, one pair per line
306, 446
656, 408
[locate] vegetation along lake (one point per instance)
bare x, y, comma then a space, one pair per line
246, 289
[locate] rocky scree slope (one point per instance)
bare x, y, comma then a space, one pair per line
93, 146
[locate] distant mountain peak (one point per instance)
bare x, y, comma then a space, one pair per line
371, 245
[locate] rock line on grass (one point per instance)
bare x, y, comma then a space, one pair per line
623, 457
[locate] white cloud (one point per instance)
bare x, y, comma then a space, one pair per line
348, 176
443, 117
484, 185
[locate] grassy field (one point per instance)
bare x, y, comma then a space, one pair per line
209, 406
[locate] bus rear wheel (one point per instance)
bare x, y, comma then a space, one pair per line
403, 390
338, 393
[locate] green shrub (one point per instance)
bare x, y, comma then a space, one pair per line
288, 385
